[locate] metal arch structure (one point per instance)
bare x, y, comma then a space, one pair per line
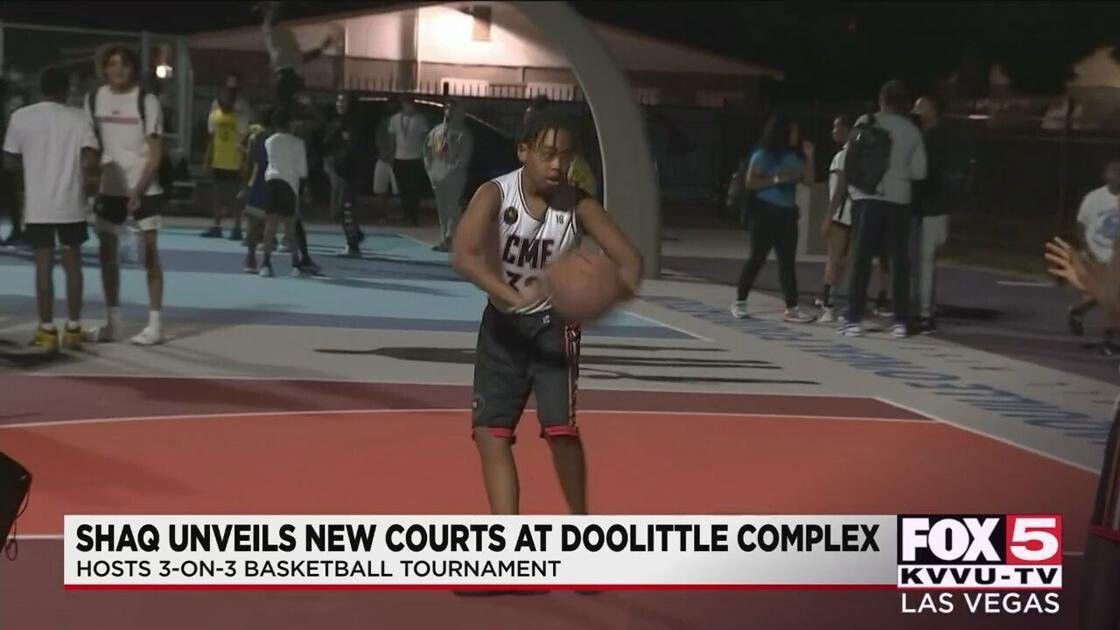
629, 185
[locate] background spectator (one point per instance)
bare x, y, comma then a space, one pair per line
447, 155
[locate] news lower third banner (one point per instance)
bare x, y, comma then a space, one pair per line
607, 552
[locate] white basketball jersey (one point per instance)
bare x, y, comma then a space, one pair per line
526, 245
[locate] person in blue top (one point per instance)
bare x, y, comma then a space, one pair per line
774, 170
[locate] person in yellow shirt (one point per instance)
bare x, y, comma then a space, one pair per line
225, 156
581, 176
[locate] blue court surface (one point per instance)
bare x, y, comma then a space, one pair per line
400, 284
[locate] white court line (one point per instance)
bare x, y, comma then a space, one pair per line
1023, 283
413, 239
638, 315
333, 412
997, 438
215, 416
381, 381
669, 326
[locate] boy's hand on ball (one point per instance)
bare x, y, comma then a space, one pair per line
627, 290
536, 289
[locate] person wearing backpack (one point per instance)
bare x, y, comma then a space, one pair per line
885, 156
128, 123
774, 170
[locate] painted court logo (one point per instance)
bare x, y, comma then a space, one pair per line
980, 552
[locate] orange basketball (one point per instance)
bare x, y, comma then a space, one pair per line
584, 285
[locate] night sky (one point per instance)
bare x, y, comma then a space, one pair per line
830, 51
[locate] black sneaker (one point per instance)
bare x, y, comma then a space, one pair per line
214, 232
927, 326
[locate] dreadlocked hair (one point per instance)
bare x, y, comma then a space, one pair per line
540, 123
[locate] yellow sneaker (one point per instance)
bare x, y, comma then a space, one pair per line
46, 339
72, 339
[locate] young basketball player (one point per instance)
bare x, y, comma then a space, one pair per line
513, 228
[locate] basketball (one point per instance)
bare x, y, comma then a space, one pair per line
584, 285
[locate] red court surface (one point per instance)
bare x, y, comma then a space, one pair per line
307, 447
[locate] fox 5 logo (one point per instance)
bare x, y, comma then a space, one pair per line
980, 539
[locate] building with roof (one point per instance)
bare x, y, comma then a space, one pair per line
485, 49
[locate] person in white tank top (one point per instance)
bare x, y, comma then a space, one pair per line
513, 229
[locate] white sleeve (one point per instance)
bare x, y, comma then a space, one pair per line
13, 142
153, 116
89, 139
919, 164
1083, 212
301, 160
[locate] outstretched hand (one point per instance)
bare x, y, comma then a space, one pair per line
1071, 265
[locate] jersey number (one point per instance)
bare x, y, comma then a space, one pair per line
514, 278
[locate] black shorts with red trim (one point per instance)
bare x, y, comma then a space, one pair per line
1106, 512
522, 354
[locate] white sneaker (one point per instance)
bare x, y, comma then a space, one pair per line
148, 337
99, 334
739, 310
795, 316
266, 271
851, 330
900, 331
828, 315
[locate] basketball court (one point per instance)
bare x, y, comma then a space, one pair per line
350, 393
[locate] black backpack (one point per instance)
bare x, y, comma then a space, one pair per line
165, 174
869, 155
